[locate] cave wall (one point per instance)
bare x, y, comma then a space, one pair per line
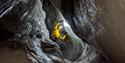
113, 40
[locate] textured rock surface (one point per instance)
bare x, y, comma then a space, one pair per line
30, 26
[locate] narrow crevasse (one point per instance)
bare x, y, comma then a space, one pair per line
31, 23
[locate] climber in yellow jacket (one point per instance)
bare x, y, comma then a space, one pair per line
57, 32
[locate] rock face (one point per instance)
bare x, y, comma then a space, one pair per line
30, 22
113, 40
